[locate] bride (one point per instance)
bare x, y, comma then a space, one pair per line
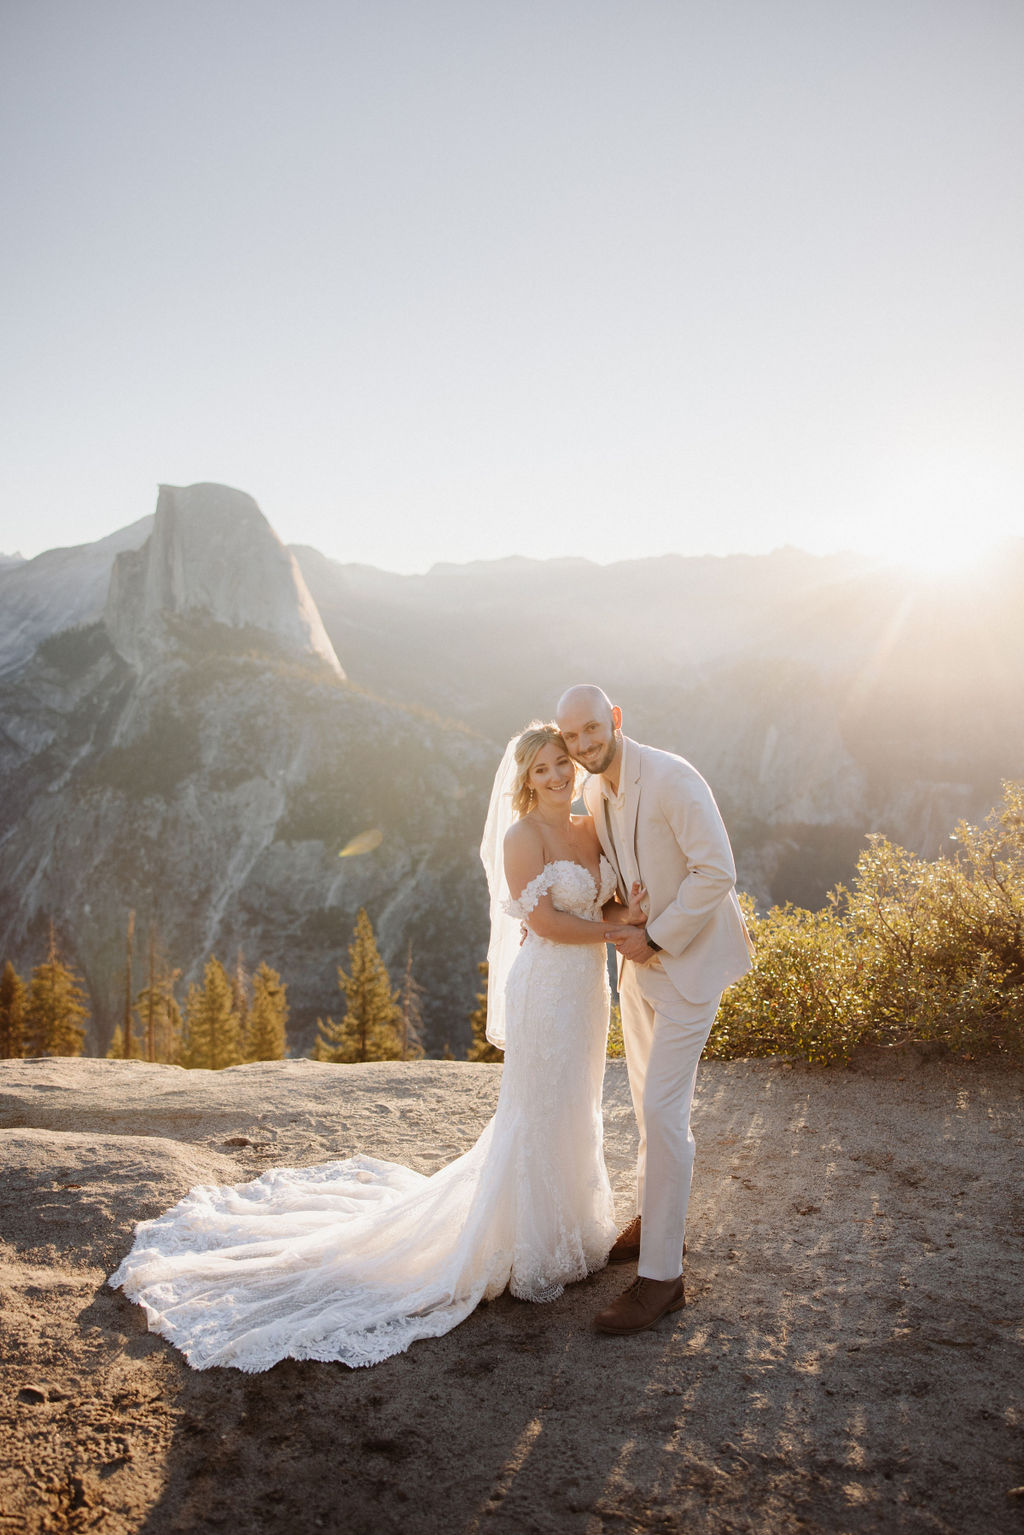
355, 1260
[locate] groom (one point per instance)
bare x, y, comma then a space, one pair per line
658, 824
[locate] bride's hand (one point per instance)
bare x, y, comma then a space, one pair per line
639, 905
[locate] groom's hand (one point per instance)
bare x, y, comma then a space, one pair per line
631, 944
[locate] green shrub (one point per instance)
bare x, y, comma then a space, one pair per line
616, 1048
913, 952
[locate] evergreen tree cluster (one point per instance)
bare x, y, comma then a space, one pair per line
46, 1016
231, 1019
150, 1027
227, 1019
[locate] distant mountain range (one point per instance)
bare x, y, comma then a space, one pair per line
195, 722
822, 698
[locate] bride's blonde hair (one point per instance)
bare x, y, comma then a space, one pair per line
534, 738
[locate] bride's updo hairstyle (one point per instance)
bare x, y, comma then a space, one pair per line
534, 738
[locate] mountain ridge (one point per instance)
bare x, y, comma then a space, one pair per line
186, 748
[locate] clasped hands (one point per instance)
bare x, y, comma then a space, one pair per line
629, 936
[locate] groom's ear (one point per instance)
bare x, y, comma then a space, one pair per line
616, 716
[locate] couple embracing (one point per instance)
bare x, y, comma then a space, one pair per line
354, 1260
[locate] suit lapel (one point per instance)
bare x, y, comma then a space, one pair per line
631, 871
594, 801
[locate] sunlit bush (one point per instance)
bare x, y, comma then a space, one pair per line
913, 952
616, 1048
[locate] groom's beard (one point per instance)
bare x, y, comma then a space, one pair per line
604, 761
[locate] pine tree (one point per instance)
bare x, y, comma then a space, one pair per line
157, 1009
371, 1029
125, 1044
481, 1048
170, 1028
241, 993
126, 1039
116, 1050
147, 998
211, 1025
412, 1013
12, 1014
56, 1007
268, 1017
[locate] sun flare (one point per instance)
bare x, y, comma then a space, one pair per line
939, 553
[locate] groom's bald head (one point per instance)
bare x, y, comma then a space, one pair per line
589, 723
586, 698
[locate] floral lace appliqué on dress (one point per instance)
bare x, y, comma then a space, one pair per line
355, 1260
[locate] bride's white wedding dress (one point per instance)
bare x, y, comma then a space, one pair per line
354, 1260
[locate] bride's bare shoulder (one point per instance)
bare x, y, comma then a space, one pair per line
523, 854
523, 835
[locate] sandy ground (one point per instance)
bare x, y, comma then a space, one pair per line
849, 1360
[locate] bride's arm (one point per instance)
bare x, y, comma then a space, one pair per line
633, 915
524, 860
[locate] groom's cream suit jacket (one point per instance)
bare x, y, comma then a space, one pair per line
674, 841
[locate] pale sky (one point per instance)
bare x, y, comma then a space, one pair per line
458, 279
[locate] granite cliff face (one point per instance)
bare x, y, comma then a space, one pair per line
198, 758
212, 555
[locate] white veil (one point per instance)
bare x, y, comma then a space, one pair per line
504, 944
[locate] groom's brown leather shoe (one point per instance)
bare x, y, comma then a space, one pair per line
644, 1303
626, 1247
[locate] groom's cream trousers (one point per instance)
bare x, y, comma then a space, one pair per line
664, 1036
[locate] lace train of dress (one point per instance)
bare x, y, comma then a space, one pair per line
355, 1260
